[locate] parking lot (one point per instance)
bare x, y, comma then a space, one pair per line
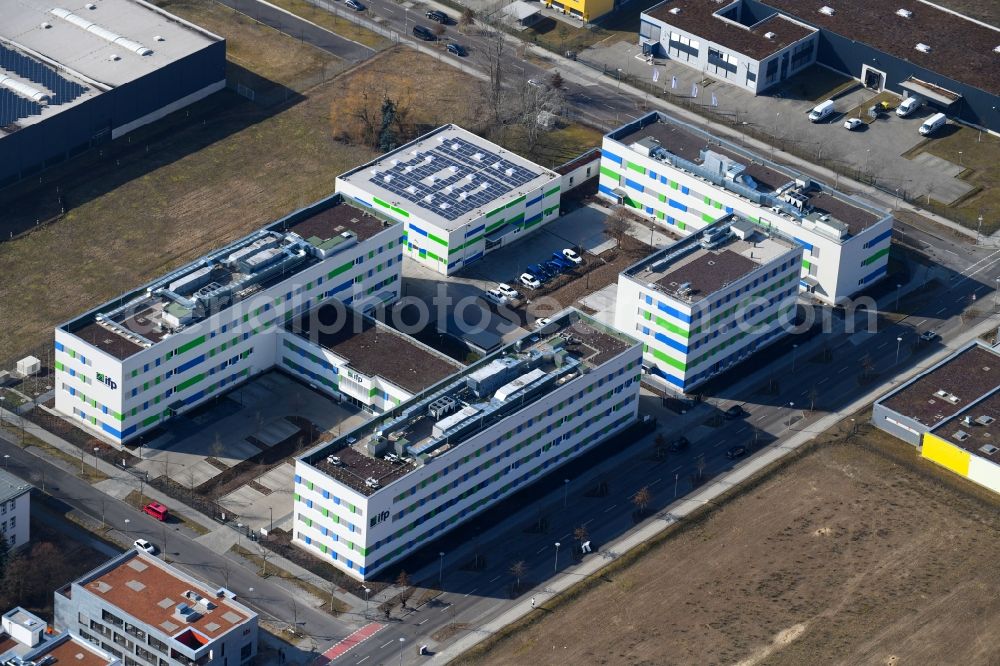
209, 451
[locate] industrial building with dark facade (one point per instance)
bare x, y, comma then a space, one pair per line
75, 76
905, 46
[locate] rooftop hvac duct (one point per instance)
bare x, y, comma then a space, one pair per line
24, 90
101, 32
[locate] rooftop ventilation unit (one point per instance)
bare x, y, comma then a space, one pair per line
960, 435
372, 482
905, 13
967, 420
334, 460
985, 420
829, 11
45, 25
996, 49
923, 48
988, 449
675, 11
24, 90
770, 35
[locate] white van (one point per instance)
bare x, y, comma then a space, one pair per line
821, 111
909, 105
933, 124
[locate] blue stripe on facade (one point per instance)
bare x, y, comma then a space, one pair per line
189, 364
611, 156
413, 227
671, 343
677, 204
473, 232
874, 274
112, 431
604, 189
881, 237
59, 346
685, 189
651, 174
729, 209
194, 398
476, 256
362, 202
804, 244
634, 185
534, 218
533, 201
341, 287
674, 313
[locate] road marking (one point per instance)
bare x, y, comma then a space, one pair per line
592, 520
761, 417
941, 310
881, 345
610, 507
360, 661
422, 621
676, 468
383, 646
495, 578
824, 380
350, 642
446, 608
919, 323
470, 591
841, 371
541, 550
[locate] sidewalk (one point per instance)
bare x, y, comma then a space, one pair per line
685, 506
219, 537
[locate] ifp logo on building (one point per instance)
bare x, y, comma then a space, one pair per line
378, 518
107, 381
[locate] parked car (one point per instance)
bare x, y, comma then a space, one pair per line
540, 272
571, 255
909, 105
438, 17
853, 123
734, 412
457, 49
541, 323
530, 281
156, 510
821, 111
535, 83
933, 124
679, 444
929, 336
508, 291
424, 33
564, 263
554, 267
495, 297
355, 5
735, 452
144, 546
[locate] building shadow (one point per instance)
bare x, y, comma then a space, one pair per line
46, 196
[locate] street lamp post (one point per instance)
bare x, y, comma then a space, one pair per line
96, 451
127, 521
271, 522
898, 287
794, 349
677, 476
995, 292
565, 492
367, 591
791, 407
401, 641
239, 531
441, 567
899, 341
5, 459
555, 565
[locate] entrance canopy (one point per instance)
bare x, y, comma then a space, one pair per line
936, 94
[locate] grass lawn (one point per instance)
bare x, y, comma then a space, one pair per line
334, 23
255, 46
979, 157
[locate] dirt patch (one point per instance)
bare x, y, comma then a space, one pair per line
855, 552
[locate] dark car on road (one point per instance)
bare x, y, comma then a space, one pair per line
679, 444
736, 452
438, 17
457, 49
735, 412
423, 33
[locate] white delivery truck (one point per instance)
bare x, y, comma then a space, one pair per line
909, 105
933, 124
821, 111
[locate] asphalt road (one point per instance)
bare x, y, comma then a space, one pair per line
270, 599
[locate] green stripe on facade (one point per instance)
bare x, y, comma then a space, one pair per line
875, 257
805, 264
340, 269
495, 225
517, 219
187, 346
610, 173
516, 201
669, 360
636, 167
554, 190
187, 383
438, 240
400, 211
707, 218
381, 203
673, 328
494, 211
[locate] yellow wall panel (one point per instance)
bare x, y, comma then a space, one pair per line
946, 454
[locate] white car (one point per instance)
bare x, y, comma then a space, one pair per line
572, 256
535, 83
508, 291
355, 5
495, 297
529, 281
541, 323
144, 546
852, 123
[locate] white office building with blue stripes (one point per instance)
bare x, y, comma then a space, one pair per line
685, 179
458, 196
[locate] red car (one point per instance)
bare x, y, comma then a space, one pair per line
156, 510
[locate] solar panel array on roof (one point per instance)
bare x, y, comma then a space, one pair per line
452, 178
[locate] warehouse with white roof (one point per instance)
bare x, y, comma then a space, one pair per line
77, 74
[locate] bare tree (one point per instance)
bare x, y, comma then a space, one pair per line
497, 62
581, 534
466, 19
659, 446
438, 30
517, 570
556, 81
700, 464
403, 582
617, 224
813, 394
218, 448
264, 553
641, 499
